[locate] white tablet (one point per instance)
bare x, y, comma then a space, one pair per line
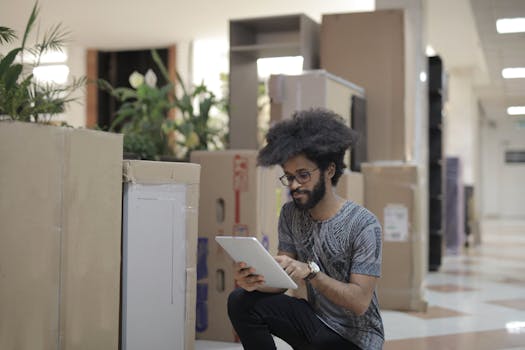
252, 252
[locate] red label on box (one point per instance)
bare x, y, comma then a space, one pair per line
240, 182
240, 173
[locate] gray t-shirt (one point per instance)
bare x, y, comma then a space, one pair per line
349, 242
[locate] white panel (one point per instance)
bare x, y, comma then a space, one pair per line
154, 267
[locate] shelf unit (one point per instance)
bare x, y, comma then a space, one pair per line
251, 39
435, 161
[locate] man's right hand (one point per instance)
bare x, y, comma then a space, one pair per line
246, 278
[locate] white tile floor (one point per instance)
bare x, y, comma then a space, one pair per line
495, 271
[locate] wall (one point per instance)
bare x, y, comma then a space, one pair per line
461, 123
502, 184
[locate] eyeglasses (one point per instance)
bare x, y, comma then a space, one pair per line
301, 177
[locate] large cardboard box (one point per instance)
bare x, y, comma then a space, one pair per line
159, 255
321, 89
368, 48
236, 198
392, 194
351, 186
316, 88
60, 237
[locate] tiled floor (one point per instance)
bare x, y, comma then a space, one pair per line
476, 300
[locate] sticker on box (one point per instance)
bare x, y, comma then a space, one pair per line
395, 223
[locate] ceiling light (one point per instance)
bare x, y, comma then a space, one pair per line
516, 110
512, 73
430, 51
510, 25
515, 327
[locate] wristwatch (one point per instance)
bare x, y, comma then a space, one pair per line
314, 269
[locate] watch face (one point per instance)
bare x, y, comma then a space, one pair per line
314, 267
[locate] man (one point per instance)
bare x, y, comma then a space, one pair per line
332, 245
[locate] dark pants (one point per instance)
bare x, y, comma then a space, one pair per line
256, 316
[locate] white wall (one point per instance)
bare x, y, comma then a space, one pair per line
502, 185
461, 123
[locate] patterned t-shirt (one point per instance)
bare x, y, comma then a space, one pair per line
349, 242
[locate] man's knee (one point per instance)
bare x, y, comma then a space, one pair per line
237, 301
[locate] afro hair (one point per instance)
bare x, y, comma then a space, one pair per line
321, 135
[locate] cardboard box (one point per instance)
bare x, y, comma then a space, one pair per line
368, 48
317, 88
236, 198
351, 186
159, 255
392, 194
60, 237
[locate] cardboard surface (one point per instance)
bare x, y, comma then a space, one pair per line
159, 255
351, 186
60, 229
317, 88
367, 48
236, 198
391, 193
313, 89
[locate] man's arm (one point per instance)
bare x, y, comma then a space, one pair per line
355, 295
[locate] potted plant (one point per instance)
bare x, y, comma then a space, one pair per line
144, 116
22, 97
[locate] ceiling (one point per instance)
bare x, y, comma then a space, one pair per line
462, 31
500, 51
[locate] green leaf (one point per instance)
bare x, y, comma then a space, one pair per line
160, 65
12, 74
7, 35
7, 61
30, 23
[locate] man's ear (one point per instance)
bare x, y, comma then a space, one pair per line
331, 170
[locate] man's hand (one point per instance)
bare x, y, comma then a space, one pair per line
294, 268
246, 278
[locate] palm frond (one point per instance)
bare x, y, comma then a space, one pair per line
30, 23
7, 35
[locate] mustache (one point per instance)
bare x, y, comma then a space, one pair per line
298, 191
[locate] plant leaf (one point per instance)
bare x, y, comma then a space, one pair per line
30, 23
7, 61
7, 35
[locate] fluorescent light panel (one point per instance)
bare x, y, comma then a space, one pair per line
513, 73
516, 110
510, 25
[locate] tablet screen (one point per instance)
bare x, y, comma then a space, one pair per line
252, 252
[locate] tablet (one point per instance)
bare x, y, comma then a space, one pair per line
252, 252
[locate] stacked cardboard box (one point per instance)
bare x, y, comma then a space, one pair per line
236, 198
320, 89
368, 48
60, 237
317, 88
159, 255
392, 194
351, 186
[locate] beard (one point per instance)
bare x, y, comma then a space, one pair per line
312, 197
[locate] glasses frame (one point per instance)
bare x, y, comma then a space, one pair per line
287, 180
